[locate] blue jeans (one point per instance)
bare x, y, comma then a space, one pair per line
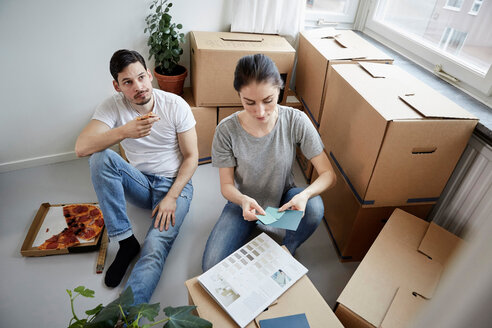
232, 231
116, 181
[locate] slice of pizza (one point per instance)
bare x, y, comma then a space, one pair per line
146, 116
64, 239
85, 220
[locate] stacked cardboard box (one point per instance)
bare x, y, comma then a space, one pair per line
320, 48
304, 163
214, 56
354, 227
393, 141
399, 274
227, 111
206, 121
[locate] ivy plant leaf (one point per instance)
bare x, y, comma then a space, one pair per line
84, 291
179, 26
78, 324
149, 311
110, 314
95, 310
181, 317
170, 4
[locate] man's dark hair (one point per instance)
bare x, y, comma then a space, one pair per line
121, 59
256, 68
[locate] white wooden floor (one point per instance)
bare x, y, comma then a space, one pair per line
32, 290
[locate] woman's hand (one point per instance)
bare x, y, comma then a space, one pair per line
251, 208
298, 203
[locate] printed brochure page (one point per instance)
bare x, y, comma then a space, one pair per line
250, 279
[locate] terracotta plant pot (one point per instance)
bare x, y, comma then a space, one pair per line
171, 83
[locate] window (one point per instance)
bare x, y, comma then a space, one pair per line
432, 35
475, 7
452, 40
454, 4
328, 12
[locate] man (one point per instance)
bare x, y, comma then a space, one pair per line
163, 155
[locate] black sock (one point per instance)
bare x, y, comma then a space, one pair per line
129, 248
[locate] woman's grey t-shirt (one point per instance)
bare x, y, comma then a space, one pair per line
263, 166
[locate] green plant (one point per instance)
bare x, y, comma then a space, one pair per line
165, 38
121, 313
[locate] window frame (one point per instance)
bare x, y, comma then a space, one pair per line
319, 18
428, 56
454, 8
474, 13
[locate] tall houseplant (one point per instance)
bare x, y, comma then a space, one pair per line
165, 42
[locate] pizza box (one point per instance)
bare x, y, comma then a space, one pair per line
49, 220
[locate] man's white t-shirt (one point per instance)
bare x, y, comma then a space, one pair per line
157, 153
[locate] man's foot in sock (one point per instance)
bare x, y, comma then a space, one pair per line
129, 248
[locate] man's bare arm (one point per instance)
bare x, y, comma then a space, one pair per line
164, 211
97, 136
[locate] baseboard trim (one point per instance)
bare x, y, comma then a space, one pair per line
37, 161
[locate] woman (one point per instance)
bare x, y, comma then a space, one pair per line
254, 150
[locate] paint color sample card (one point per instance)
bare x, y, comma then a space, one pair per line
288, 219
291, 321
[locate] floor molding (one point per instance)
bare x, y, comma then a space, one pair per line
37, 161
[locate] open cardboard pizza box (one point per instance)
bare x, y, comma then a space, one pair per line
49, 221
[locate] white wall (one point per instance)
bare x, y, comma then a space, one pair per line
54, 59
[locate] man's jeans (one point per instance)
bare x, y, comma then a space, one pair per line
114, 179
232, 231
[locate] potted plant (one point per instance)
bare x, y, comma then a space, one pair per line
165, 42
121, 313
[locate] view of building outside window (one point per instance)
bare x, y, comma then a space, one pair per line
458, 28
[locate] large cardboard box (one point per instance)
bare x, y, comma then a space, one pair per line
399, 274
302, 297
214, 56
352, 226
319, 48
227, 111
206, 121
394, 138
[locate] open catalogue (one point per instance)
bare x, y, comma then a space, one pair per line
246, 282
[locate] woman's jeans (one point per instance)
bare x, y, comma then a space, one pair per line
232, 231
116, 181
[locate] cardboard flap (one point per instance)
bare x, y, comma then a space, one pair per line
439, 244
304, 298
243, 38
403, 309
375, 70
434, 105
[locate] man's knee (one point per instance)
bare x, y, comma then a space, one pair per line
101, 159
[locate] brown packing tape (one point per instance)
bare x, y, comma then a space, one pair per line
243, 39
